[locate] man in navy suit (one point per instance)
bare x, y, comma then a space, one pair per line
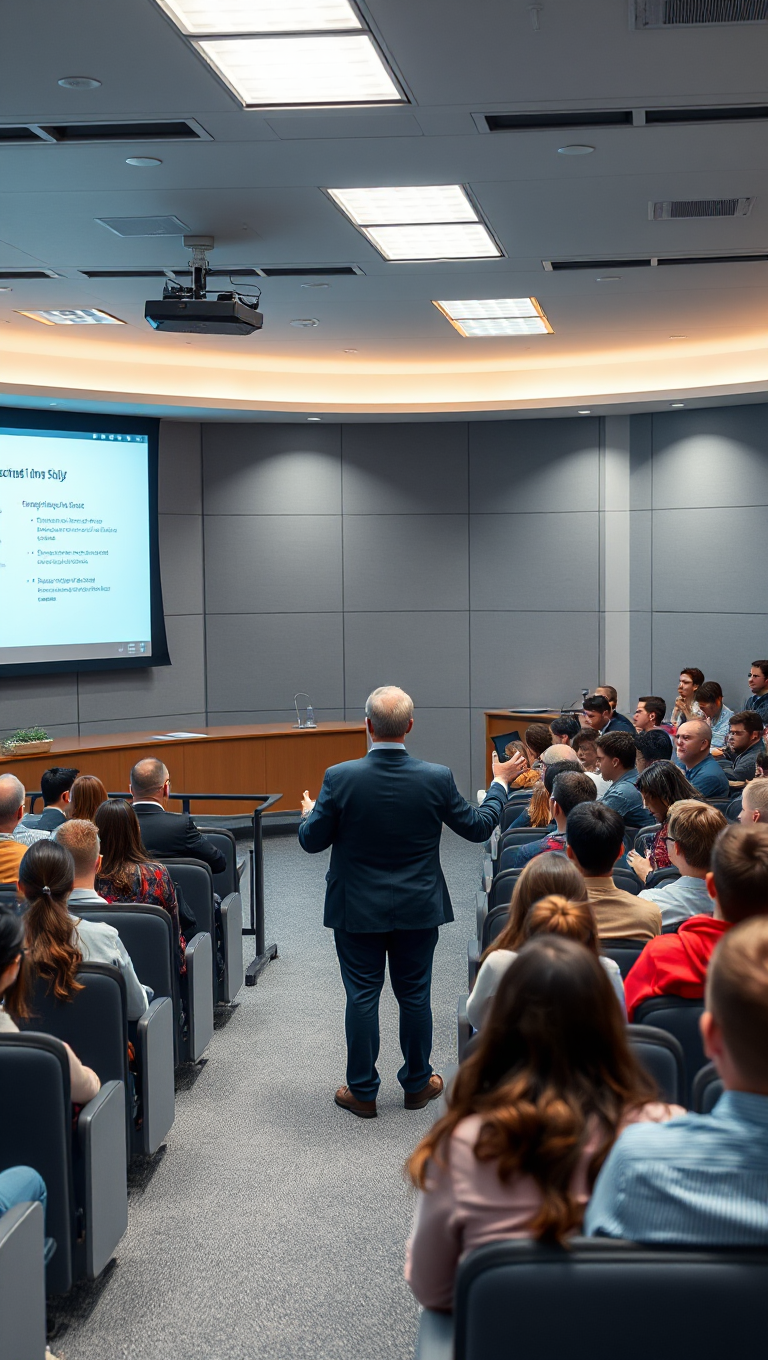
386, 894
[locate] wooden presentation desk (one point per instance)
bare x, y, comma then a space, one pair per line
259, 758
498, 720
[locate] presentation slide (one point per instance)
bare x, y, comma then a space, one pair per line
74, 546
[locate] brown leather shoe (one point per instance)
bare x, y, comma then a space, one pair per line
416, 1100
364, 1109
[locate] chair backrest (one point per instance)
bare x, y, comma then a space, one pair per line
623, 952
93, 1022
645, 836
733, 809
660, 876
703, 1301
662, 1057
707, 1089
227, 881
626, 879
493, 924
511, 811
196, 882
147, 933
502, 887
512, 840
679, 1016
722, 804
36, 1131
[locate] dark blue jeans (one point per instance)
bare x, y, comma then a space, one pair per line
362, 959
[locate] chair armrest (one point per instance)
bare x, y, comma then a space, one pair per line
199, 959
463, 1027
493, 842
154, 1043
473, 962
435, 1339
481, 911
487, 874
22, 1283
241, 863
232, 939
101, 1143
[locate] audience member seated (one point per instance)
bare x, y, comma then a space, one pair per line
754, 802
564, 730
81, 839
661, 785
568, 789
14, 986
585, 747
55, 785
692, 829
761, 772
616, 757
686, 706
758, 686
707, 777
57, 941
618, 723
709, 697
87, 793
702, 1180
127, 874
12, 851
745, 744
538, 811
676, 965
537, 738
164, 832
531, 1116
529, 777
650, 746
531, 913
595, 835
650, 713
597, 714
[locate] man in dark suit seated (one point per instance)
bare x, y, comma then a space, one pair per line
386, 894
167, 833
55, 785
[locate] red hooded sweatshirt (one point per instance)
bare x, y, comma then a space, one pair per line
675, 964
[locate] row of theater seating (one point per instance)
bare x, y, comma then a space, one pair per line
84, 1163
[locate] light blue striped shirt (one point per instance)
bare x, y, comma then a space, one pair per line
698, 1180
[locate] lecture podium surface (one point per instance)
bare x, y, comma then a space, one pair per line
498, 720
256, 758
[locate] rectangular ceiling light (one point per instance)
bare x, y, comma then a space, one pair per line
262, 16
311, 70
75, 316
436, 241
477, 317
404, 205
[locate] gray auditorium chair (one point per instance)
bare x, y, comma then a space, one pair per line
94, 1023
623, 952
512, 840
84, 1174
680, 1017
626, 879
665, 1301
662, 1057
22, 1283
644, 837
707, 1089
493, 923
196, 882
227, 885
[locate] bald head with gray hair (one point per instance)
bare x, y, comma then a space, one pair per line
390, 712
12, 797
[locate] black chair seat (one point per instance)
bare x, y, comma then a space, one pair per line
680, 1017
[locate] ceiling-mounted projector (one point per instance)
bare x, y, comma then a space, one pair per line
188, 309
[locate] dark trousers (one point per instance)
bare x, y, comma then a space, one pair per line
362, 959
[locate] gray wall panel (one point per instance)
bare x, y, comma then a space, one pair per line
541, 561
181, 563
442, 735
640, 559
641, 660
268, 715
259, 661
272, 469
39, 700
180, 470
272, 564
520, 658
522, 465
163, 722
711, 457
699, 559
723, 645
427, 653
405, 562
404, 469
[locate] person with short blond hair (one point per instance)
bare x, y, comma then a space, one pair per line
692, 829
81, 839
754, 802
702, 1179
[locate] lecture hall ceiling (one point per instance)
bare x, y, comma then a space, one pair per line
256, 179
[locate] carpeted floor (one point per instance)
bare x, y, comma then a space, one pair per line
273, 1224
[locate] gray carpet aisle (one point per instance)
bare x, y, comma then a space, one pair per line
274, 1223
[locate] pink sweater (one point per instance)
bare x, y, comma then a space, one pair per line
466, 1205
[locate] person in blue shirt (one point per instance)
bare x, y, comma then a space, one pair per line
745, 744
597, 714
758, 685
618, 722
709, 697
616, 756
702, 1179
693, 742
569, 788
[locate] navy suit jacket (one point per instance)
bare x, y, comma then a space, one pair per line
383, 816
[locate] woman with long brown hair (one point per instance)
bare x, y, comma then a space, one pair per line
548, 876
531, 1117
127, 874
87, 793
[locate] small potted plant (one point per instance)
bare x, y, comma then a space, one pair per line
27, 741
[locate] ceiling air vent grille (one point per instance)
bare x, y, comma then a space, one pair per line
700, 207
695, 13
556, 266
28, 274
168, 130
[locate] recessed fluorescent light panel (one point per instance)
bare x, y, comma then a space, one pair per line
419, 222
75, 316
288, 53
478, 317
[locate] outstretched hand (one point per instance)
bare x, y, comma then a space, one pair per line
507, 771
307, 803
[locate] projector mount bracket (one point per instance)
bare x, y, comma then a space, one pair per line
199, 245
198, 290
